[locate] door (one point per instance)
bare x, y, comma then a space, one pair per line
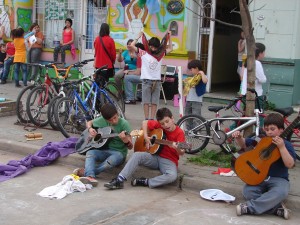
94, 13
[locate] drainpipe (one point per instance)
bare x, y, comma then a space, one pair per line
210, 45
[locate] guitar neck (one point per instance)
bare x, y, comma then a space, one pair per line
163, 142
290, 127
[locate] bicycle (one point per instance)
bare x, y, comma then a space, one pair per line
83, 89
39, 98
23, 95
198, 130
72, 113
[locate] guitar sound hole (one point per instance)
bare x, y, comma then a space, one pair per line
97, 138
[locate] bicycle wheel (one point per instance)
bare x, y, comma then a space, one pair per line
294, 138
70, 117
50, 113
193, 127
37, 105
114, 92
21, 104
112, 99
227, 125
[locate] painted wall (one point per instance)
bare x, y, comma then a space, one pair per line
16, 13
126, 22
276, 24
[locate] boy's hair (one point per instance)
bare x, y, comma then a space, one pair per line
154, 41
195, 64
2, 45
108, 111
162, 113
140, 45
19, 32
274, 119
12, 33
259, 48
104, 30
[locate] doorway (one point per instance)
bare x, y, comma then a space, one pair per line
224, 77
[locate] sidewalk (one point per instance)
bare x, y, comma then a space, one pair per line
191, 177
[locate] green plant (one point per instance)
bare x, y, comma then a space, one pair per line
212, 158
269, 105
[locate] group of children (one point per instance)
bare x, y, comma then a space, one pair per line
266, 197
17, 51
21, 50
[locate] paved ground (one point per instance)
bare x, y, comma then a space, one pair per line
195, 178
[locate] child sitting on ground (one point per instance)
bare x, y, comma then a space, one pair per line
166, 161
267, 196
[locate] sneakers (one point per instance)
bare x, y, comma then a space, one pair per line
283, 212
242, 209
3, 82
79, 172
114, 184
89, 180
140, 182
131, 102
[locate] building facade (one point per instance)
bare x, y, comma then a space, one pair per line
194, 35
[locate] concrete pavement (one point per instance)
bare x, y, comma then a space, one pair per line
191, 177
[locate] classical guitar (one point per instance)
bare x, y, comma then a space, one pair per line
157, 140
253, 166
86, 142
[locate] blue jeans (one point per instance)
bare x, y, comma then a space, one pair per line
6, 68
267, 196
24, 71
34, 57
108, 159
129, 80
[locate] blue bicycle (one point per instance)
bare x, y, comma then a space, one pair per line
71, 113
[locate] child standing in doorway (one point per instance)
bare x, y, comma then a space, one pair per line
193, 88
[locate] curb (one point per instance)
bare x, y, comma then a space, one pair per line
184, 181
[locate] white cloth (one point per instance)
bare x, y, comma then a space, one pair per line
151, 68
216, 195
67, 186
260, 78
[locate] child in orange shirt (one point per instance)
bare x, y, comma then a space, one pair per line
20, 56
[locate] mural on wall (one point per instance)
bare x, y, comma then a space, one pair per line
153, 17
16, 13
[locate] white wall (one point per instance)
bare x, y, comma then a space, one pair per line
276, 24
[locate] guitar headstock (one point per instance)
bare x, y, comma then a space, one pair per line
136, 133
184, 145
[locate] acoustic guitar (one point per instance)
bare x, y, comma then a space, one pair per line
253, 166
86, 142
157, 140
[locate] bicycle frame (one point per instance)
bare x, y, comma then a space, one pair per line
248, 122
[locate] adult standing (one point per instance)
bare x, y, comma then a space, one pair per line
67, 41
35, 51
105, 51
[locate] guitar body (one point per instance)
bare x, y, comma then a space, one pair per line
253, 166
139, 145
86, 142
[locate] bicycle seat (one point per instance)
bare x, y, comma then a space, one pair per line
285, 111
215, 108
